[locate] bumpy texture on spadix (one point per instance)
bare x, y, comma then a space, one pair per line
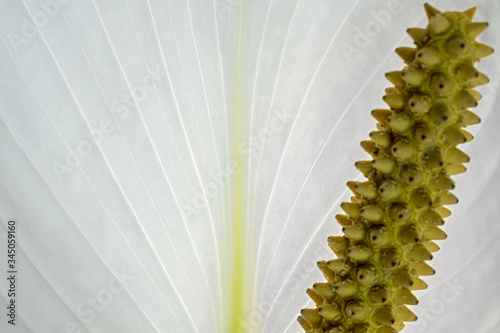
394, 217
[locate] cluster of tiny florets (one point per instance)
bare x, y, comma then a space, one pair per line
393, 220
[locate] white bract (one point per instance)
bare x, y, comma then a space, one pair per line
127, 125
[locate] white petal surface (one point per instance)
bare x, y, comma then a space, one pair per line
127, 125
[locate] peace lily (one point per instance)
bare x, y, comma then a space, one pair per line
176, 166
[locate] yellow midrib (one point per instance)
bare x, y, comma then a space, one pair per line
238, 295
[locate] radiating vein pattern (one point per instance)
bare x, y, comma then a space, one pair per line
174, 165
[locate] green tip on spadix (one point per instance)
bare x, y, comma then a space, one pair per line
470, 12
431, 11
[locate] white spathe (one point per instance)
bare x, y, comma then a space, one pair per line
117, 141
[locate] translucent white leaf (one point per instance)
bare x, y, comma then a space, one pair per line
175, 166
